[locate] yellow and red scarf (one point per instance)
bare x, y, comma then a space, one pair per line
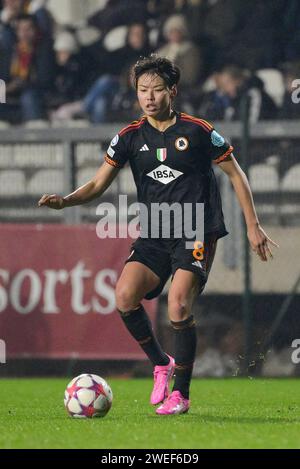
22, 61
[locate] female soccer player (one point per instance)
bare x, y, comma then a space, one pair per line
171, 155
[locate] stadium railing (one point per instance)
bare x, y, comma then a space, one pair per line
36, 161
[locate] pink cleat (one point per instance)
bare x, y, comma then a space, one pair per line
174, 404
162, 378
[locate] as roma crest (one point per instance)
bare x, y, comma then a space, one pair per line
181, 143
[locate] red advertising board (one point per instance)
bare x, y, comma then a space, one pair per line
57, 293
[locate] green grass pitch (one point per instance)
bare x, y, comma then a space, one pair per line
231, 413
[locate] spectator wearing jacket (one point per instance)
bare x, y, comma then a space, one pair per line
72, 70
182, 51
28, 69
98, 100
232, 83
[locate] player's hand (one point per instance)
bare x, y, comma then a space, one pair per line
52, 201
259, 242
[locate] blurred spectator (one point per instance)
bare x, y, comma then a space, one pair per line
194, 12
236, 29
137, 45
124, 105
98, 100
182, 51
14, 8
291, 23
290, 109
72, 70
38, 9
232, 83
119, 13
29, 70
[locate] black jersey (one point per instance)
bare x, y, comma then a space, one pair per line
174, 165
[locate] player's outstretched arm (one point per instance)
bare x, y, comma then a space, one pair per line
258, 238
89, 191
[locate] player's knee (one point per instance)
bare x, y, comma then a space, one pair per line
178, 309
126, 298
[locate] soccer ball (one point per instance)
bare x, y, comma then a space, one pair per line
88, 396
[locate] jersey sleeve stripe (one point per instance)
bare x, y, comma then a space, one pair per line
133, 126
203, 123
222, 157
207, 123
194, 121
129, 127
112, 162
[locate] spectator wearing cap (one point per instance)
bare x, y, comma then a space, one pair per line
72, 73
182, 51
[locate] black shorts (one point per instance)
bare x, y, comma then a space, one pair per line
165, 256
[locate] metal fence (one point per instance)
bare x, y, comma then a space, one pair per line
34, 161
37, 161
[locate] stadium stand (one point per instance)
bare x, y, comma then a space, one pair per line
273, 82
263, 178
46, 180
291, 180
12, 183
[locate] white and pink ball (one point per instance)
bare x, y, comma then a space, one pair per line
88, 396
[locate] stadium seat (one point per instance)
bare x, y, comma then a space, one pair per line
89, 152
6, 159
72, 123
38, 155
78, 123
87, 35
68, 12
46, 181
291, 179
12, 183
57, 154
85, 174
4, 125
116, 38
263, 178
209, 85
154, 36
273, 82
37, 124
